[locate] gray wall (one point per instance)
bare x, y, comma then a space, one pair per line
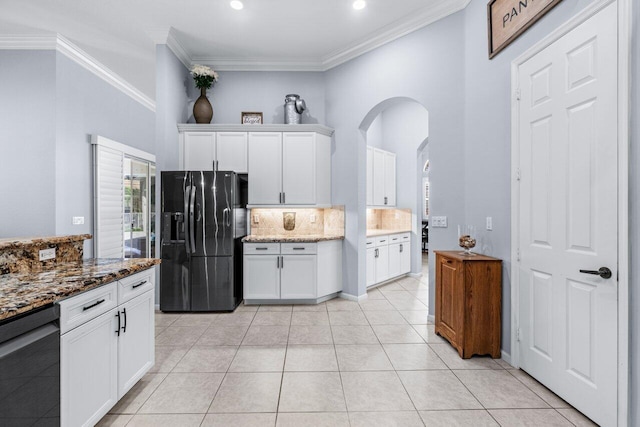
27, 143
426, 66
87, 105
634, 235
264, 92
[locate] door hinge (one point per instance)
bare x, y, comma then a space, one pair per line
517, 94
518, 174
518, 334
518, 254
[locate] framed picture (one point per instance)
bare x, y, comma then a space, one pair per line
507, 19
251, 118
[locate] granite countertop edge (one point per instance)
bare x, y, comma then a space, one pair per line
290, 239
13, 243
24, 292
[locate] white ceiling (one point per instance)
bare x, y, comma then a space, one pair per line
301, 35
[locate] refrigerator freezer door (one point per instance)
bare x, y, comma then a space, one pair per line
212, 284
175, 293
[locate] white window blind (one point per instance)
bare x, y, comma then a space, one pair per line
109, 203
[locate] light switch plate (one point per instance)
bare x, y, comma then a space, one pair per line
256, 219
46, 254
489, 223
312, 218
439, 221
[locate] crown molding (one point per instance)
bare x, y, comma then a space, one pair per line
178, 49
379, 38
61, 44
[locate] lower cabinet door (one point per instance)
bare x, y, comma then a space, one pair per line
136, 343
261, 277
382, 264
88, 367
298, 277
371, 266
405, 258
394, 260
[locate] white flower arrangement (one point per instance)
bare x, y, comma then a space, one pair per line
204, 76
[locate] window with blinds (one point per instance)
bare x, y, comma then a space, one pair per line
124, 201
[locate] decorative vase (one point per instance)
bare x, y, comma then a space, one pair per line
202, 110
466, 238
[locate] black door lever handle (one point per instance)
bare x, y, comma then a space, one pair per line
603, 272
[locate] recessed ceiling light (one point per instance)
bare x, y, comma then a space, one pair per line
359, 4
236, 4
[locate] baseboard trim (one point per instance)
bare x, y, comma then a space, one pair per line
415, 275
350, 297
506, 357
431, 318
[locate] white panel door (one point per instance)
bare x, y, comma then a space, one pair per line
568, 216
88, 371
371, 266
231, 151
199, 151
389, 179
378, 177
394, 260
261, 277
298, 277
265, 168
405, 257
382, 263
136, 351
369, 176
299, 168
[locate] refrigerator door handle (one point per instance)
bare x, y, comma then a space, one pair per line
192, 225
187, 196
226, 216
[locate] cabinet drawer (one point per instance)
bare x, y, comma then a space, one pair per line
261, 248
298, 248
382, 241
134, 285
405, 237
394, 238
371, 242
80, 309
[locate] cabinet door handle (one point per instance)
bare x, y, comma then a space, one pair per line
385, 200
139, 284
376, 252
261, 249
284, 197
95, 304
401, 249
299, 249
449, 261
118, 330
124, 313
281, 262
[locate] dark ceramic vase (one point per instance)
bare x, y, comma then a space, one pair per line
202, 110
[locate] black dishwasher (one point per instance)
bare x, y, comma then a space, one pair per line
30, 369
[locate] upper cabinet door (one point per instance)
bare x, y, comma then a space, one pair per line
299, 168
378, 177
265, 166
231, 152
369, 176
389, 179
199, 151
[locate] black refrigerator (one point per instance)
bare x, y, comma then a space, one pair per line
203, 222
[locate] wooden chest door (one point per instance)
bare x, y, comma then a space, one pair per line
449, 299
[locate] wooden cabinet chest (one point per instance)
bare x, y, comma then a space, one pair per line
468, 302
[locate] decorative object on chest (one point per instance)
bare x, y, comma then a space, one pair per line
468, 302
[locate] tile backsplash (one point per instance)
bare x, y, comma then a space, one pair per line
308, 222
388, 219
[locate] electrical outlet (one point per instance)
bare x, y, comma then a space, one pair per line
439, 221
256, 219
78, 220
46, 254
312, 218
489, 223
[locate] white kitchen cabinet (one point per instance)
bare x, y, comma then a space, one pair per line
199, 150
369, 176
104, 354
265, 168
261, 277
298, 277
388, 257
383, 178
135, 345
88, 371
291, 271
232, 151
289, 168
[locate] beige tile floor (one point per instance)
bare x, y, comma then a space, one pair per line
339, 363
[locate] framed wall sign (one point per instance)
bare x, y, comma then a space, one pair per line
251, 118
507, 19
